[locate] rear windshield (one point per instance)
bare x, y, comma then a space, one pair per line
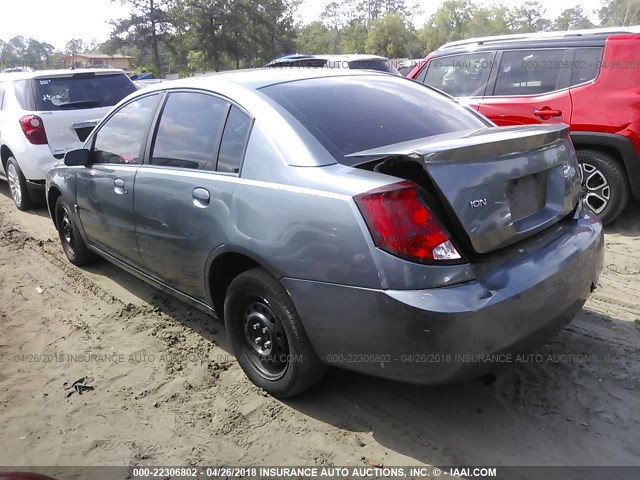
373, 64
81, 91
354, 113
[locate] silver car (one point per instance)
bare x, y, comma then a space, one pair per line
344, 218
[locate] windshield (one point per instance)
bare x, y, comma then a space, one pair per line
354, 113
83, 90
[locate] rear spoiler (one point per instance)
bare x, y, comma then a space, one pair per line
478, 143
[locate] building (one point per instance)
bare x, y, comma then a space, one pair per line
98, 60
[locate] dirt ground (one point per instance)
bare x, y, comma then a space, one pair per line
168, 392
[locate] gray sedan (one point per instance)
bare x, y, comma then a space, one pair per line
342, 218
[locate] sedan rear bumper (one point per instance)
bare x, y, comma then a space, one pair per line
440, 335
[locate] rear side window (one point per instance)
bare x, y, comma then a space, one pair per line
354, 113
529, 72
1, 96
234, 141
188, 132
21, 91
460, 75
586, 64
81, 91
120, 139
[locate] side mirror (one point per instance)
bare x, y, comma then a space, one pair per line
78, 157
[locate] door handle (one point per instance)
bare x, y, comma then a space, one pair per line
545, 113
201, 197
118, 186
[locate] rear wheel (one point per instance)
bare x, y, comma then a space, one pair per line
607, 189
18, 185
72, 242
267, 335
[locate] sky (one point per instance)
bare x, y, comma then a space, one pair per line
57, 22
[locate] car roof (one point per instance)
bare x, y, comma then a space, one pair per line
242, 88
586, 37
255, 79
58, 73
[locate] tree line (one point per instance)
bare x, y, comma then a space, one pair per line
184, 36
388, 28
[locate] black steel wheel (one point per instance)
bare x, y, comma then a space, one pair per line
72, 242
266, 343
267, 336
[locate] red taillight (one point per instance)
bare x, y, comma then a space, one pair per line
401, 224
33, 129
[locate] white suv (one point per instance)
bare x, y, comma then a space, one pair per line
44, 114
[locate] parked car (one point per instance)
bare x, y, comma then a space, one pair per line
405, 67
336, 217
353, 62
46, 113
145, 82
17, 69
404, 71
587, 79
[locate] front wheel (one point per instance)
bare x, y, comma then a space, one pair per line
607, 189
18, 185
267, 336
72, 242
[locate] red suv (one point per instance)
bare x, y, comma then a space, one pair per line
588, 79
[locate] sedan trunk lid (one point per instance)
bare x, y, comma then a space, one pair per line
499, 185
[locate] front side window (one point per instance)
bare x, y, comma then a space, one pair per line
360, 112
460, 75
188, 131
120, 139
234, 141
529, 72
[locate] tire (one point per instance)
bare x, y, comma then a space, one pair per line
258, 310
606, 184
18, 185
72, 242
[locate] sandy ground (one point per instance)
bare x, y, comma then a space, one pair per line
177, 397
